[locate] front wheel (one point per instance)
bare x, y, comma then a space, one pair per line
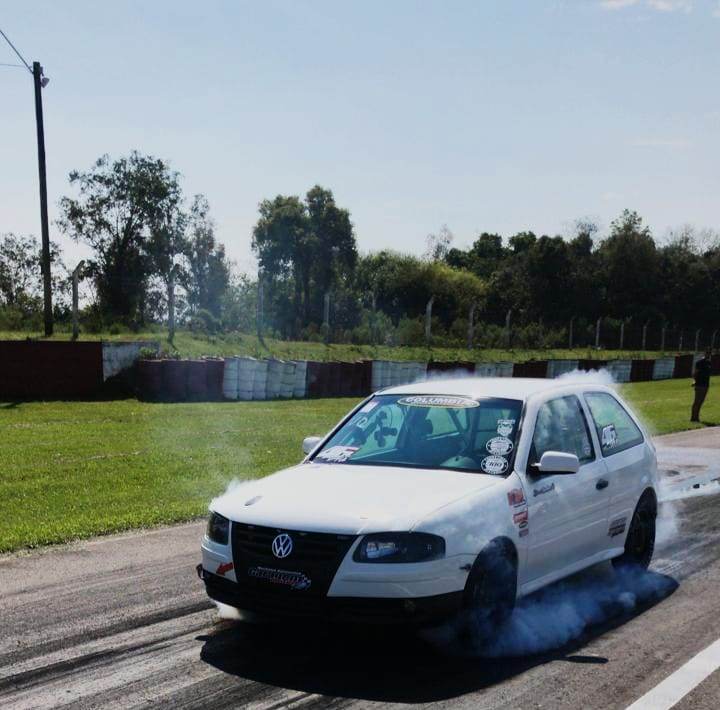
490, 591
640, 541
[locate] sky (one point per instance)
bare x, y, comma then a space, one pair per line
494, 116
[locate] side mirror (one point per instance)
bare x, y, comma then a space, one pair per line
557, 462
309, 443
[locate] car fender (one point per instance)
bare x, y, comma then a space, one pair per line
469, 524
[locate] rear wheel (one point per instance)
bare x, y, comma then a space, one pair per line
490, 590
640, 541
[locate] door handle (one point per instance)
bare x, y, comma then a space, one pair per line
602, 483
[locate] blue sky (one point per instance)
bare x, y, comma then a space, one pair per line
485, 116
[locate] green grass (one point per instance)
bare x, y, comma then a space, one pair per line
75, 469
189, 345
665, 406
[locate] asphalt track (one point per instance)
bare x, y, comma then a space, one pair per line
123, 622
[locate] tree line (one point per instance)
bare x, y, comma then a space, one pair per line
155, 259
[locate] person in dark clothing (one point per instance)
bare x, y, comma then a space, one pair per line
703, 368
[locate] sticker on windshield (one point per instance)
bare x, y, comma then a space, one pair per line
499, 446
494, 464
609, 437
337, 454
505, 426
423, 400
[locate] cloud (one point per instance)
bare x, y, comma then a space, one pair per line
671, 5
659, 5
616, 4
660, 142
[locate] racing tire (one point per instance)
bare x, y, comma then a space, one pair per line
490, 591
640, 540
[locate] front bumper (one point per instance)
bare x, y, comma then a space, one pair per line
415, 611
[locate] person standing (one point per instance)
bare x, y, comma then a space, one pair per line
703, 367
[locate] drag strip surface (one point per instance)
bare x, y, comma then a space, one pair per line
124, 622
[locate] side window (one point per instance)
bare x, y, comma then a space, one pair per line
561, 426
615, 429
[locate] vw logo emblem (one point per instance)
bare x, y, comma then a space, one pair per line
282, 545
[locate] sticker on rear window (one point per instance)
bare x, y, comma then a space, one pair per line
369, 407
499, 446
609, 437
505, 426
494, 464
338, 454
439, 401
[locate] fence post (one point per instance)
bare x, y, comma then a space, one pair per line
428, 320
644, 335
597, 333
712, 340
326, 316
570, 334
75, 299
622, 334
680, 342
507, 328
662, 338
471, 326
697, 339
260, 306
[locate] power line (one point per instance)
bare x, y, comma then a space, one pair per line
22, 59
3, 64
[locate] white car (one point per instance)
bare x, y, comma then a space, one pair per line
437, 497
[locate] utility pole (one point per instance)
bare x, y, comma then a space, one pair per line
40, 81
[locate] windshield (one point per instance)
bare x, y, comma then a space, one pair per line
428, 431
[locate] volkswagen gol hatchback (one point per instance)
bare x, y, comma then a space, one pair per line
437, 497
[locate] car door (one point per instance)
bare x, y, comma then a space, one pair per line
625, 456
567, 512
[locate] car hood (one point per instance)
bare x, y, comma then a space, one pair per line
347, 499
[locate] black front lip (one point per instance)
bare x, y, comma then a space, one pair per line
420, 611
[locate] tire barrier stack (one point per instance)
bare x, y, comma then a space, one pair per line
555, 368
663, 368
620, 370
386, 373
494, 369
531, 368
247, 378
683, 366
200, 380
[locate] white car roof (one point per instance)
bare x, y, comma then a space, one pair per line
509, 387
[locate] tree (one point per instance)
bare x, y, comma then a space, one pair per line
282, 242
208, 274
438, 245
116, 202
166, 246
332, 253
630, 264
21, 284
306, 249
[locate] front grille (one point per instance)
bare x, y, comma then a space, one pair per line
317, 556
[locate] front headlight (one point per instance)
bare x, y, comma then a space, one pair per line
396, 547
218, 528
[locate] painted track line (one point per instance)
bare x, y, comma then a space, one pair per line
676, 686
